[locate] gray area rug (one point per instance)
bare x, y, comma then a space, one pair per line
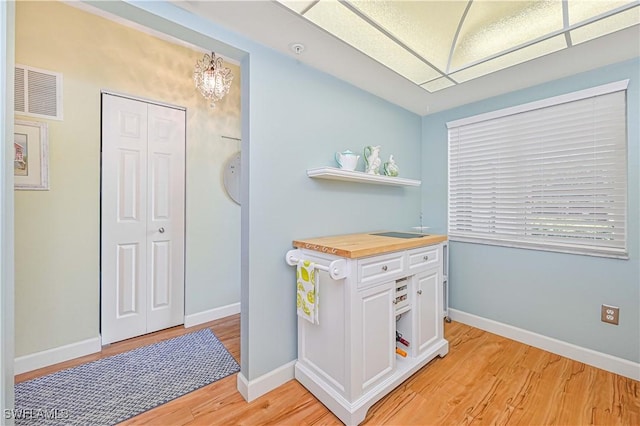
113, 389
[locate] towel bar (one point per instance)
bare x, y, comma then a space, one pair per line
337, 269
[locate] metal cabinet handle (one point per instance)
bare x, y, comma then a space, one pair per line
384, 268
161, 230
426, 258
419, 291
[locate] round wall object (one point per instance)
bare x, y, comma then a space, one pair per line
231, 177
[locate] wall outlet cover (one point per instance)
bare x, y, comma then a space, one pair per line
610, 314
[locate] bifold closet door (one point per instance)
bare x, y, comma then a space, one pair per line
142, 218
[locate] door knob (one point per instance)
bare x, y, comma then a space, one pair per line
161, 230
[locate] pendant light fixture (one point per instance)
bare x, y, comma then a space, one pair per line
212, 78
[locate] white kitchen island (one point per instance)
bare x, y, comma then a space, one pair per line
391, 284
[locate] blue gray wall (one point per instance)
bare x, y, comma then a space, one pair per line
553, 294
299, 119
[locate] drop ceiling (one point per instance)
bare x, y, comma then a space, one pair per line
427, 56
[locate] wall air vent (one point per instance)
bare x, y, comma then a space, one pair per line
38, 93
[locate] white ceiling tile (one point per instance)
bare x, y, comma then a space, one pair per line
492, 27
347, 26
606, 26
427, 27
516, 57
582, 10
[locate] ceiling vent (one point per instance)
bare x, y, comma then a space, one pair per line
38, 93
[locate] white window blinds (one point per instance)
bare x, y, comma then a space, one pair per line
549, 175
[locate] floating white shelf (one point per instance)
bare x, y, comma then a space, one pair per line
334, 173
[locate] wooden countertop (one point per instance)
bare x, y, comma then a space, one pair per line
361, 245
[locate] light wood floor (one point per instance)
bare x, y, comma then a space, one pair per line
485, 379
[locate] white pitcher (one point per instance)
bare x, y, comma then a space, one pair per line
372, 159
347, 160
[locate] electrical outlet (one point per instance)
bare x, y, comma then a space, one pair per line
610, 314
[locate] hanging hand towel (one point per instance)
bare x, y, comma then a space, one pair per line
308, 291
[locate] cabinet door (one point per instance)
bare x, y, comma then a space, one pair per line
429, 309
378, 335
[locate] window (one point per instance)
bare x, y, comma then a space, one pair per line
549, 175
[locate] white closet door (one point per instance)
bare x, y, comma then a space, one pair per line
165, 218
124, 218
142, 218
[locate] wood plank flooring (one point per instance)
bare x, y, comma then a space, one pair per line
484, 380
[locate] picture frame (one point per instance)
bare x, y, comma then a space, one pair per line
31, 155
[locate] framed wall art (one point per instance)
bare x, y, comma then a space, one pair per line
31, 155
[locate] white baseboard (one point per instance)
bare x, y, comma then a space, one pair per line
597, 359
53, 356
255, 388
211, 314
74, 350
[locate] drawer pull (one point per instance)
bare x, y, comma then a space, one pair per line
419, 291
426, 258
384, 268
395, 302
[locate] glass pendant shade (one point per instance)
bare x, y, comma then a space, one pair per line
212, 78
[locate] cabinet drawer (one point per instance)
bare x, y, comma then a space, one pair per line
380, 268
424, 258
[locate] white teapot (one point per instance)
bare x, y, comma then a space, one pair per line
347, 160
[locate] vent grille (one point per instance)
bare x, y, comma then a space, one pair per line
38, 93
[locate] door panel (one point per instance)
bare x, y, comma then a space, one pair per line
131, 123
165, 220
123, 217
128, 186
378, 334
128, 283
160, 189
429, 316
160, 274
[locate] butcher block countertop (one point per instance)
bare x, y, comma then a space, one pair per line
353, 246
